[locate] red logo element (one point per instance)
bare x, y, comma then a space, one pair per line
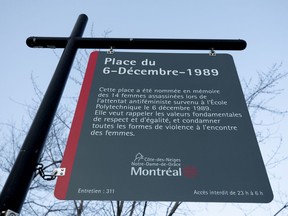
190, 171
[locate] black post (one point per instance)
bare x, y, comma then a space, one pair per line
17, 185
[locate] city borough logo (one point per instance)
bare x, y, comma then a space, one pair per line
160, 167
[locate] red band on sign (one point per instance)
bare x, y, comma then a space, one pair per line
72, 143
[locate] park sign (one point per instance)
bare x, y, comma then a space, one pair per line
162, 127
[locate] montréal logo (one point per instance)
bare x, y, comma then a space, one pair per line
190, 171
138, 157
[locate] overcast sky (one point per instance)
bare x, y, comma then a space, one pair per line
262, 23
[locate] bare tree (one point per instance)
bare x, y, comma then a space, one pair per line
40, 200
259, 97
260, 94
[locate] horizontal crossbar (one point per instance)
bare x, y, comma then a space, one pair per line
138, 43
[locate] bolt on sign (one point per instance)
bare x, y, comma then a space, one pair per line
162, 127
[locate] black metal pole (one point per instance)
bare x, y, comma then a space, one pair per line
139, 43
17, 185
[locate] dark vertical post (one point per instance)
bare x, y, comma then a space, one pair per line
17, 185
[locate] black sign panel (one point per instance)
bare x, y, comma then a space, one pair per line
162, 127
